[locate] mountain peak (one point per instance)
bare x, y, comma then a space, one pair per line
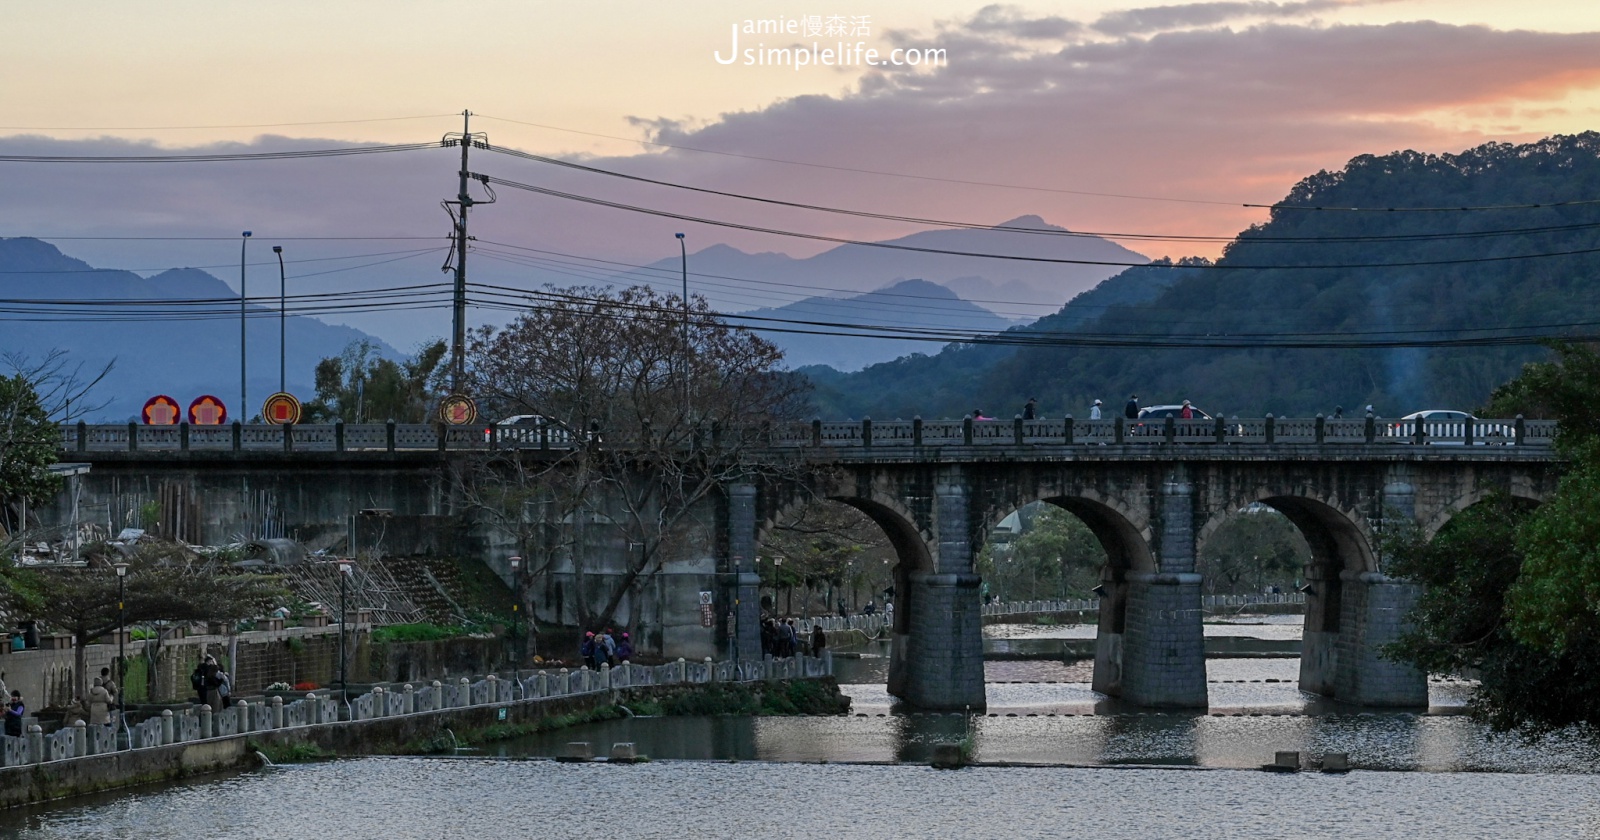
1029, 221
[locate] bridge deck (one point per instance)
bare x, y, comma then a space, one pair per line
1043, 439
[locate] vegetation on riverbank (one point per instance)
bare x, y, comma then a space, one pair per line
798, 697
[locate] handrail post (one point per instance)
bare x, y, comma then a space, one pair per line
1171, 428
866, 431
389, 430
1417, 432
1271, 428
133, 436
1119, 427
442, 432
288, 437
1221, 430
83, 436
1067, 435
1016, 430
1321, 429
1520, 429
183, 436
1372, 429
1467, 431
338, 435
916, 430
816, 431
966, 431
238, 435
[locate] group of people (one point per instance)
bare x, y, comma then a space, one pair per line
781, 639
605, 649
209, 678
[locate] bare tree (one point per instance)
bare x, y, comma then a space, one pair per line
658, 407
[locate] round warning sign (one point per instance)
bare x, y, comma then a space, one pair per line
207, 410
162, 410
281, 408
458, 410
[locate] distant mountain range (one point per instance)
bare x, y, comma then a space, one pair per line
174, 333
950, 291
1312, 310
811, 331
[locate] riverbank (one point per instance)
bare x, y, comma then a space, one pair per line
81, 760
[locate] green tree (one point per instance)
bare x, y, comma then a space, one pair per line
1461, 625
1252, 549
1052, 555
165, 582
825, 547
1514, 594
360, 386
37, 396
28, 444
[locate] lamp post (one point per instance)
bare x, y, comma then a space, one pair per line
516, 607
683, 253
282, 346
345, 570
122, 632
244, 240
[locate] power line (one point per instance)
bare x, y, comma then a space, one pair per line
297, 154
195, 127
1038, 231
412, 252
487, 179
884, 173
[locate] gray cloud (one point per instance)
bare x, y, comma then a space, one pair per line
1215, 115
1010, 20
1162, 18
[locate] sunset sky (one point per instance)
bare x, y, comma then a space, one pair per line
1098, 116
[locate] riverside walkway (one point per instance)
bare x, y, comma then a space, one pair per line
73, 759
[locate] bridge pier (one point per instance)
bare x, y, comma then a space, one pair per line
744, 587
1163, 648
1163, 643
1373, 614
938, 663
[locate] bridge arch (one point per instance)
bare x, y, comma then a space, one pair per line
1520, 491
1126, 543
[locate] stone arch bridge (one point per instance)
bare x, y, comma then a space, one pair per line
1151, 494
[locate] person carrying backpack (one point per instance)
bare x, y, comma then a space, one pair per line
197, 681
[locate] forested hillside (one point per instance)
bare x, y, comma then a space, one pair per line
1329, 279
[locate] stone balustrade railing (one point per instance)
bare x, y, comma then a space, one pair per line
1092, 605
1067, 431
872, 625
201, 723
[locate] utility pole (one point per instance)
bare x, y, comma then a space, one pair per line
458, 332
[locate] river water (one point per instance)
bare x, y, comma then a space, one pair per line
1077, 764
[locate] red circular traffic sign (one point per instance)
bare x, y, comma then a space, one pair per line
161, 410
207, 410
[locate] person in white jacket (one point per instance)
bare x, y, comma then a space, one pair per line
1094, 411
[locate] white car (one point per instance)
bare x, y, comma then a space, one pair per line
1448, 426
528, 430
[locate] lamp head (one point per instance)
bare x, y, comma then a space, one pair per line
122, 569
679, 235
277, 249
515, 563
346, 568
247, 234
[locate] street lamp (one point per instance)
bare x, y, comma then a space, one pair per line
346, 569
516, 606
244, 240
683, 253
282, 346
122, 660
